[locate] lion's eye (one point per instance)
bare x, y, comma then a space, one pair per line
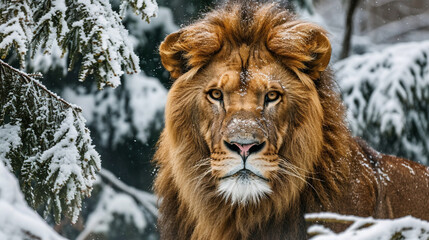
272, 96
215, 94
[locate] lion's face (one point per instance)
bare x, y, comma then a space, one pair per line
246, 113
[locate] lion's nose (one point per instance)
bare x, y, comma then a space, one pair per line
244, 149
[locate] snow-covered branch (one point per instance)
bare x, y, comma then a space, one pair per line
145, 8
44, 141
98, 37
386, 93
16, 20
145, 199
89, 31
119, 202
360, 228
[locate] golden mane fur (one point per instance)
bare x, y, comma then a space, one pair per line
314, 139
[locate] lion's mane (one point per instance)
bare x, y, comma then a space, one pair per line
190, 207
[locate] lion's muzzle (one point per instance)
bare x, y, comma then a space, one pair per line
243, 149
241, 163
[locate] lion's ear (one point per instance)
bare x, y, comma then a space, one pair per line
191, 47
171, 55
301, 46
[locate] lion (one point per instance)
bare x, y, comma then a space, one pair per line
255, 134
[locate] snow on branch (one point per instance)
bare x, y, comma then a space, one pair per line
387, 95
16, 19
89, 31
117, 202
17, 219
98, 36
50, 24
145, 8
46, 144
360, 228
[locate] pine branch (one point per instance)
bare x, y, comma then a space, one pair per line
50, 24
49, 148
90, 31
97, 35
30, 78
16, 20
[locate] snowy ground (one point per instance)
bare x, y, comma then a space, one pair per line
17, 220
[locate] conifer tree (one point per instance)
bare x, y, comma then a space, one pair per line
43, 139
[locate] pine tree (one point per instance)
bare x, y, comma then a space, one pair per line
386, 93
43, 138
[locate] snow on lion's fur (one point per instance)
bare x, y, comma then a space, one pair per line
255, 134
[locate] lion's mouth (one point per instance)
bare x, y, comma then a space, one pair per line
244, 175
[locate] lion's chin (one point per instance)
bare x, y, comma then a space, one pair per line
243, 188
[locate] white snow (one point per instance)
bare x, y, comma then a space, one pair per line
112, 203
404, 164
379, 229
64, 155
17, 220
9, 139
90, 28
66, 166
109, 40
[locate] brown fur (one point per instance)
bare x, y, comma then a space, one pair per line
310, 161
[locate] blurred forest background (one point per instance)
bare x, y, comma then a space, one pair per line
380, 60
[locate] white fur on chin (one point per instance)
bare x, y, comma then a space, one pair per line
243, 189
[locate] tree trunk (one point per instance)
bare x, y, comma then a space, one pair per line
349, 28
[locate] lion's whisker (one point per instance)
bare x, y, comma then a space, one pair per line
296, 175
296, 168
287, 161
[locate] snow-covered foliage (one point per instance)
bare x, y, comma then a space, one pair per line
16, 18
131, 109
138, 30
406, 228
17, 220
387, 95
145, 8
44, 141
46, 62
89, 31
120, 205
